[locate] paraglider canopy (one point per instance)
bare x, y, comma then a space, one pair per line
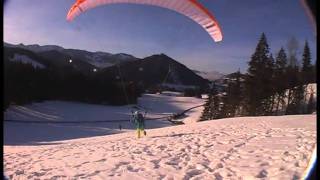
190, 8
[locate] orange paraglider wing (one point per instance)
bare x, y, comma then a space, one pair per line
190, 8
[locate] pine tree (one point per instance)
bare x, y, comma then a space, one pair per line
237, 92
231, 100
216, 107
255, 85
292, 75
210, 110
280, 80
206, 113
225, 104
306, 70
298, 81
296, 92
269, 89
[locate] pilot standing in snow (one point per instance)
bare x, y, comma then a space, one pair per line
138, 120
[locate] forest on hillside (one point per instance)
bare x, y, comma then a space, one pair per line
24, 84
272, 85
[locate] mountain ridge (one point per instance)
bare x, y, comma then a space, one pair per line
98, 59
153, 70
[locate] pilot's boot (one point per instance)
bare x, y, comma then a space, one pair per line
138, 132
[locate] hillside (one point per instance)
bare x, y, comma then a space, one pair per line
211, 76
48, 59
155, 70
150, 71
234, 148
56, 54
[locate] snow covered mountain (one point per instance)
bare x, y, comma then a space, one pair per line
151, 71
158, 70
35, 47
27, 60
49, 59
211, 76
97, 59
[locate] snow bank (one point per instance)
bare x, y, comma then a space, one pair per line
235, 148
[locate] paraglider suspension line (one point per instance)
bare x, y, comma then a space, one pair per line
167, 75
122, 83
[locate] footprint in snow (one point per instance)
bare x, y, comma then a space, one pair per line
156, 163
162, 147
38, 174
194, 172
101, 160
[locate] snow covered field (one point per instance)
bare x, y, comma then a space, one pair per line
274, 147
34, 134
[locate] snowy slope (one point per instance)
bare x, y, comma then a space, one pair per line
27, 60
235, 148
157, 106
35, 47
98, 61
123, 56
212, 75
103, 60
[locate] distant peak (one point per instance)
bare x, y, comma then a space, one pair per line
37, 45
164, 55
124, 56
159, 56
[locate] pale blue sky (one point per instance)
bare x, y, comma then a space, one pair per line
146, 30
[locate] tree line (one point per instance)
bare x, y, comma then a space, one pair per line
24, 84
271, 86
